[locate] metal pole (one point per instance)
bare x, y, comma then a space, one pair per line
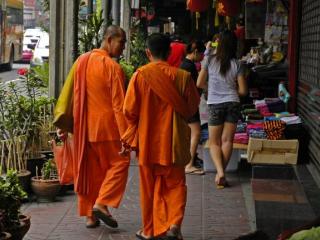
90, 7
116, 12
54, 60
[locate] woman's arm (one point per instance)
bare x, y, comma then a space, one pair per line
242, 83
202, 79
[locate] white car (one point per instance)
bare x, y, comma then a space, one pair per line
41, 51
31, 36
30, 39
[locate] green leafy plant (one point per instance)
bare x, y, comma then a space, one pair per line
127, 67
49, 170
41, 73
138, 56
11, 195
90, 35
22, 110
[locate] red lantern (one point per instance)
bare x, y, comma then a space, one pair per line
228, 7
198, 5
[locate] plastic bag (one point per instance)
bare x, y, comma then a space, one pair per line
63, 156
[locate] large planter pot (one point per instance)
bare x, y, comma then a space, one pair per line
5, 236
17, 231
24, 179
48, 154
45, 190
35, 163
26, 219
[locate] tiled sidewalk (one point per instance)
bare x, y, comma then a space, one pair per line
210, 214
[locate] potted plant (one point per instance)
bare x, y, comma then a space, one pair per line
14, 122
11, 196
21, 119
47, 186
3, 235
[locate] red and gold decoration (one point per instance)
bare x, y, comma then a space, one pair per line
198, 5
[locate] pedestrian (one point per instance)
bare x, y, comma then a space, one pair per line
226, 81
178, 51
194, 51
101, 173
160, 98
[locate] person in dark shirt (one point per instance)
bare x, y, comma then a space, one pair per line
194, 54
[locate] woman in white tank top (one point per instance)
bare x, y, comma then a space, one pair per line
225, 83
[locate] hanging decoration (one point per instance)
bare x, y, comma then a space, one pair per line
197, 20
228, 7
216, 19
198, 5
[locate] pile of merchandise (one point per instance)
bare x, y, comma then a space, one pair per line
265, 119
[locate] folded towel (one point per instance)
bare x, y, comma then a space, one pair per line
292, 120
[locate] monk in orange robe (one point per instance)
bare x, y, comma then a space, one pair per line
159, 100
100, 172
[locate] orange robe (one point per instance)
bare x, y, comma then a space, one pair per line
149, 109
101, 173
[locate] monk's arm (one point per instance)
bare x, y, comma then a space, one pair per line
131, 107
118, 95
131, 110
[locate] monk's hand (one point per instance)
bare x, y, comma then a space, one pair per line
62, 134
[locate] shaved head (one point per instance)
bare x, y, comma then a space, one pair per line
114, 40
113, 31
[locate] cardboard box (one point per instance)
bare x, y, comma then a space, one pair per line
263, 151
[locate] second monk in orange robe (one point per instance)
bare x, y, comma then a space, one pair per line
154, 106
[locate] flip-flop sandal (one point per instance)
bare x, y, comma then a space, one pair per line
173, 234
93, 225
222, 183
107, 219
139, 236
195, 172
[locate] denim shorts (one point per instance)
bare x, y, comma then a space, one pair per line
223, 112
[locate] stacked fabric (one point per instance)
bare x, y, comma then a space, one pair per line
262, 107
275, 105
256, 130
242, 138
272, 118
284, 114
241, 127
291, 120
274, 129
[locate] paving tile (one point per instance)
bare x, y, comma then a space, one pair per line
210, 214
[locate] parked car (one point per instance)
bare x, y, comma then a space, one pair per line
30, 39
41, 51
32, 35
27, 53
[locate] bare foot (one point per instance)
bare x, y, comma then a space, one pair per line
193, 170
92, 222
141, 235
102, 208
175, 231
218, 178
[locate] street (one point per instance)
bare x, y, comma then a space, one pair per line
11, 75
